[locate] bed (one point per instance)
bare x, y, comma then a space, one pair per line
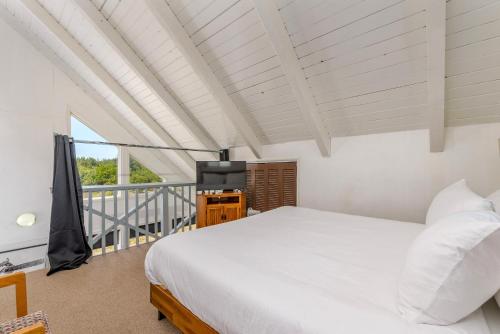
289, 270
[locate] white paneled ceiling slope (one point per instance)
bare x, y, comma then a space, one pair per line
220, 75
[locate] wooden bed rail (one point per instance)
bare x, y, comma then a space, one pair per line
176, 313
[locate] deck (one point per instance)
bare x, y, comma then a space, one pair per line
109, 295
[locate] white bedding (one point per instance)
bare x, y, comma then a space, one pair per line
294, 270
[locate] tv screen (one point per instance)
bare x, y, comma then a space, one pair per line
221, 175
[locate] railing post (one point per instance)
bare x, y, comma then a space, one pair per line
156, 213
103, 222
115, 221
190, 207
166, 227
146, 224
137, 241
175, 209
90, 227
183, 209
125, 235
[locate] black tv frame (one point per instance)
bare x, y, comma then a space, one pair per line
220, 167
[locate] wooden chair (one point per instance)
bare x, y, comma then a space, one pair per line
35, 323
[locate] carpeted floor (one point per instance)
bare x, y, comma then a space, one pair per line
108, 295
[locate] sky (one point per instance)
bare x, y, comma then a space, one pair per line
81, 131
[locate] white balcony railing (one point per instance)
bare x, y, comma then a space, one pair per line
120, 216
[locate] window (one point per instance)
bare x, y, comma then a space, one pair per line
97, 164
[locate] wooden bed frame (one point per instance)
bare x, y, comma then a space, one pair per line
188, 323
182, 318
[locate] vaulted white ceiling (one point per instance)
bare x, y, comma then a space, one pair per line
229, 77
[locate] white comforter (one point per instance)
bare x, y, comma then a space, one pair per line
294, 270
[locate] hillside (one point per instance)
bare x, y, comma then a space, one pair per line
100, 172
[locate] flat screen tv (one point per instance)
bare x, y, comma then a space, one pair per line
221, 175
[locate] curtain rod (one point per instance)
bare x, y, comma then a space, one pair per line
78, 141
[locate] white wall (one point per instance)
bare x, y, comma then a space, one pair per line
391, 175
30, 112
35, 101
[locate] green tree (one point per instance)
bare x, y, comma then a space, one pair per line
140, 174
97, 172
102, 172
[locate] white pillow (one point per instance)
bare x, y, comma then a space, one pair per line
452, 268
456, 198
495, 199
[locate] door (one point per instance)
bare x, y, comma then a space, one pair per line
214, 214
271, 185
231, 212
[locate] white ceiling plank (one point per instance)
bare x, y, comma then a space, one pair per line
137, 65
436, 46
53, 26
45, 50
167, 19
291, 67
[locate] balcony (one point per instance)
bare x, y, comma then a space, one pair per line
121, 216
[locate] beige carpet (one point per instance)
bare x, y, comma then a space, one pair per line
108, 295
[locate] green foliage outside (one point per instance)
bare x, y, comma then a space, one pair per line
97, 172
140, 174
104, 172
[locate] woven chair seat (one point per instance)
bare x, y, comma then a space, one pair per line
9, 327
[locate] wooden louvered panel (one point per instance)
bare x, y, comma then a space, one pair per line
250, 189
271, 185
290, 186
274, 189
260, 199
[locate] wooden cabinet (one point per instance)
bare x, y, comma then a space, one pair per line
220, 208
231, 212
214, 215
271, 185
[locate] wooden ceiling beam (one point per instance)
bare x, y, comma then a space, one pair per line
269, 14
436, 44
167, 19
115, 40
59, 63
44, 17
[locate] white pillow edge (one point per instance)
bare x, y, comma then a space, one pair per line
450, 274
463, 182
422, 312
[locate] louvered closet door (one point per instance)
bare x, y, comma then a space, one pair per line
274, 188
271, 185
289, 174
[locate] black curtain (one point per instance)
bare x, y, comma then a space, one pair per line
68, 247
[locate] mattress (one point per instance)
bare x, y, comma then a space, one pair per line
294, 270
